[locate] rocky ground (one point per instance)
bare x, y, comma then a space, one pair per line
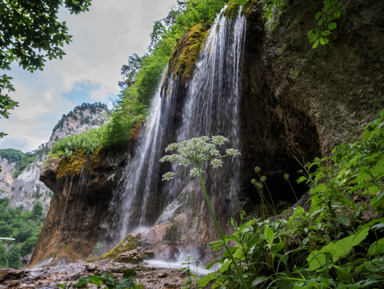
47, 278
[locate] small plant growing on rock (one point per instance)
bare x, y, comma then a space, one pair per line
190, 279
194, 153
107, 281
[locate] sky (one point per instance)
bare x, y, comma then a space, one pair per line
103, 39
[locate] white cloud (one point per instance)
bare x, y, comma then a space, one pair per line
103, 39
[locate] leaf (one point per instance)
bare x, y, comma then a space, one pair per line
342, 273
299, 210
378, 226
211, 264
324, 41
321, 187
337, 250
344, 220
277, 247
312, 36
204, 281
268, 233
325, 32
332, 25
259, 280
315, 260
378, 169
342, 247
376, 248
318, 15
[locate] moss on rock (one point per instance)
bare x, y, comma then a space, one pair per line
71, 166
233, 7
129, 243
187, 51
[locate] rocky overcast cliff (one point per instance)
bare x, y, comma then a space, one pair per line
294, 102
23, 187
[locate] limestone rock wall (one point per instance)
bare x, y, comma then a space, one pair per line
82, 189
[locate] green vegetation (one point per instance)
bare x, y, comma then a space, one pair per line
31, 34
21, 160
24, 226
107, 281
190, 279
327, 21
87, 141
337, 243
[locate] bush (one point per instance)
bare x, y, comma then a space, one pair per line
337, 243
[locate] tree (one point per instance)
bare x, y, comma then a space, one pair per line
31, 34
14, 257
3, 256
130, 71
37, 210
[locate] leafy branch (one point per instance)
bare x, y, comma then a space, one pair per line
327, 17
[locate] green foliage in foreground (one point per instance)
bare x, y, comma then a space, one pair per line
337, 243
107, 280
24, 226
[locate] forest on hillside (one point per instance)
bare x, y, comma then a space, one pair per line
24, 227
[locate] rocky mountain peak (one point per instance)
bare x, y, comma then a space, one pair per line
82, 118
19, 179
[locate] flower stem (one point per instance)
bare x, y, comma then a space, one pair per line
244, 284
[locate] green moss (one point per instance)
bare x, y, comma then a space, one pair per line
187, 51
128, 243
232, 9
71, 166
249, 7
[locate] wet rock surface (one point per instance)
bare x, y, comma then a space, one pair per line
47, 278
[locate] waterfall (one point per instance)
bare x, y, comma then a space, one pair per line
210, 107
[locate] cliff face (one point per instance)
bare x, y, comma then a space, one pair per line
6, 177
295, 102
22, 186
302, 102
82, 191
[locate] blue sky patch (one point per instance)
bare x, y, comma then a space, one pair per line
81, 92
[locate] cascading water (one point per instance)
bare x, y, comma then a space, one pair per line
213, 103
211, 107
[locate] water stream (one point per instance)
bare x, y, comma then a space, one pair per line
210, 107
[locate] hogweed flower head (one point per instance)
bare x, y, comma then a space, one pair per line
195, 151
263, 179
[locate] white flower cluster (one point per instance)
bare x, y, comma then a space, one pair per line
195, 151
